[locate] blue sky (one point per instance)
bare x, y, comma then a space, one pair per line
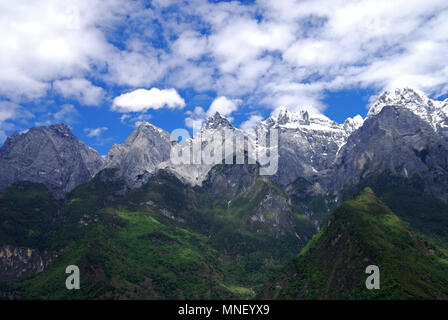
104, 66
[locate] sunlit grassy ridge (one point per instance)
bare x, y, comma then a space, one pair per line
362, 232
407, 198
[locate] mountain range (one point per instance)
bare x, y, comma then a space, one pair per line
367, 191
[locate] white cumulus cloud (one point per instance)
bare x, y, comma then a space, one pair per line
195, 118
95, 132
141, 100
80, 89
251, 123
224, 106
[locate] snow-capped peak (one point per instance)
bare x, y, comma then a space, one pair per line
217, 121
286, 117
301, 119
142, 126
410, 98
352, 124
432, 111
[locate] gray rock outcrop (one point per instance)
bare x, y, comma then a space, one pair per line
49, 155
140, 154
308, 143
398, 140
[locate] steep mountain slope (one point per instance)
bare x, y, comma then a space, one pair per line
129, 255
145, 227
363, 232
167, 239
36, 228
253, 202
308, 143
140, 154
407, 198
434, 112
398, 140
53, 156
27, 219
206, 149
245, 217
122, 252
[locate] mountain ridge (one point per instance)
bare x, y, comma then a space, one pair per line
52, 155
362, 232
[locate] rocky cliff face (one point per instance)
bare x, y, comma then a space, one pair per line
16, 262
274, 211
396, 139
140, 154
211, 140
50, 155
228, 181
310, 147
433, 112
270, 209
308, 143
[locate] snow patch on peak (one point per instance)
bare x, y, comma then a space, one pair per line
433, 112
300, 120
216, 121
408, 97
142, 126
352, 124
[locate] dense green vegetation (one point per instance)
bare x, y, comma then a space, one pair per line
408, 199
361, 232
166, 240
320, 205
137, 258
27, 215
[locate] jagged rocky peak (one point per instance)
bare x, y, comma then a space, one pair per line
409, 98
308, 142
397, 140
217, 121
313, 124
286, 117
213, 133
147, 130
352, 124
433, 112
399, 97
145, 148
307, 120
50, 155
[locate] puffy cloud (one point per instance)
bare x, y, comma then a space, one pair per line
135, 68
190, 45
195, 118
68, 114
8, 111
47, 40
80, 89
224, 106
141, 100
287, 52
251, 123
258, 49
96, 132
